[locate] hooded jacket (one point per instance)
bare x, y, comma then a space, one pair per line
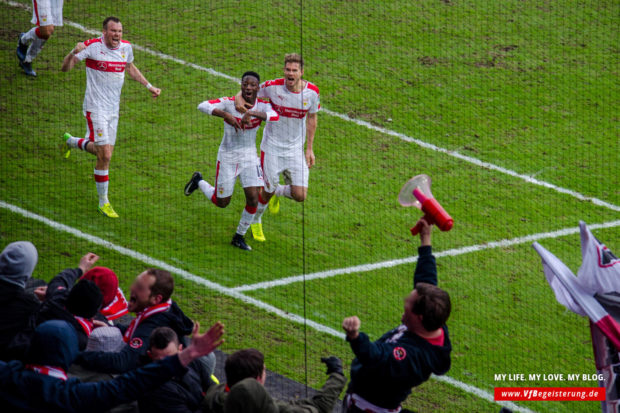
55, 345
129, 357
17, 262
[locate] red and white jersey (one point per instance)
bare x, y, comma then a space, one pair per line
237, 146
288, 135
105, 74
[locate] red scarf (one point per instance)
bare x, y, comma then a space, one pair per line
143, 315
117, 308
87, 325
48, 371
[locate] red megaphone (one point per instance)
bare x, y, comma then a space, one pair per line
417, 192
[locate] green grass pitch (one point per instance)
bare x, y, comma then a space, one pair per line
528, 89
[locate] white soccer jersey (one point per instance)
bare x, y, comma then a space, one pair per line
237, 146
105, 74
288, 135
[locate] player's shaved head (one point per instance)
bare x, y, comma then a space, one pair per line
250, 73
110, 19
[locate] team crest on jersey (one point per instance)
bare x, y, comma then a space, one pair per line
399, 353
100, 132
44, 17
123, 55
102, 65
305, 103
136, 342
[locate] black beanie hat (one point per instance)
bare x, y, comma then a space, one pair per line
85, 299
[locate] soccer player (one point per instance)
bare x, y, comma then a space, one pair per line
237, 154
46, 14
282, 148
107, 58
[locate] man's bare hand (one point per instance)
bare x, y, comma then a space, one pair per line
232, 121
351, 326
87, 262
155, 92
40, 293
240, 104
202, 344
425, 231
310, 158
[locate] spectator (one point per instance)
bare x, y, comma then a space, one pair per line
383, 372
77, 305
244, 390
114, 302
182, 393
17, 262
150, 300
42, 384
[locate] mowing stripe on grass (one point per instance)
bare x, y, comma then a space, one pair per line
228, 292
402, 136
409, 260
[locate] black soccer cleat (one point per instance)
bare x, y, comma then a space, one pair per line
27, 68
21, 48
192, 185
239, 242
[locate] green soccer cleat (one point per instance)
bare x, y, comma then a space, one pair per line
257, 232
65, 149
274, 204
108, 211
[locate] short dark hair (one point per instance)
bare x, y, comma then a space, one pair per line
110, 19
243, 364
294, 58
164, 283
250, 73
433, 304
161, 337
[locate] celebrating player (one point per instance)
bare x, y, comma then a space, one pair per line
237, 154
282, 148
46, 14
106, 60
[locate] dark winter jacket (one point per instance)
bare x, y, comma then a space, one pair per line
129, 357
55, 344
18, 309
384, 372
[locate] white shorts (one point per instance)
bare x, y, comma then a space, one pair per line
47, 12
101, 129
274, 165
249, 173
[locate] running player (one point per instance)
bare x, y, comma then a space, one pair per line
237, 154
46, 14
282, 148
107, 58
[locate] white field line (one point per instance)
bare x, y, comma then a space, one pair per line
228, 292
426, 145
409, 260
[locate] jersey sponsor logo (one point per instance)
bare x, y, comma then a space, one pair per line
399, 353
104, 66
136, 343
289, 112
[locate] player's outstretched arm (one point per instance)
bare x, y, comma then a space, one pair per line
136, 75
71, 60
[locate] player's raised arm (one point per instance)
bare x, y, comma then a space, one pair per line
71, 59
136, 75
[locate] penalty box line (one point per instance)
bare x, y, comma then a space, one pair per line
368, 125
186, 275
409, 260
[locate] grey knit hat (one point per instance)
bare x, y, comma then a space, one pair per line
17, 262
